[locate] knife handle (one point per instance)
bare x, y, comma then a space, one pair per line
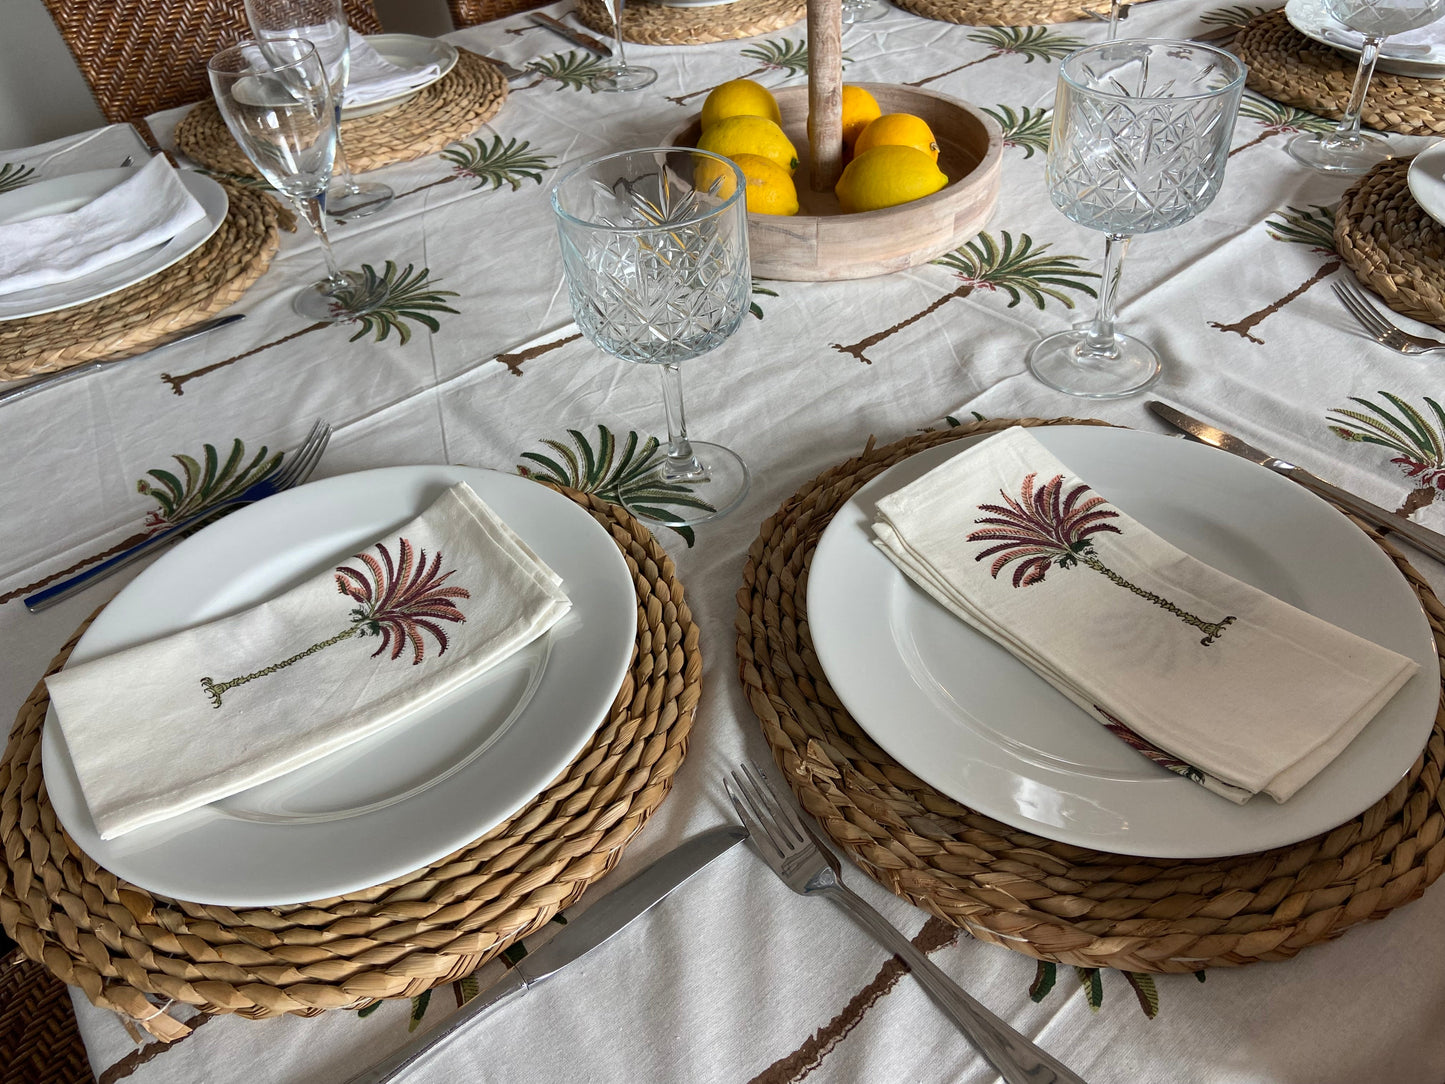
1422, 538
511, 986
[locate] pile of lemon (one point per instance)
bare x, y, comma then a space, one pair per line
892, 157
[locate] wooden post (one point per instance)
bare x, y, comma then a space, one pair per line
825, 93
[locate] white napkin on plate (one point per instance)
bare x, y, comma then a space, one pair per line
100, 148
144, 210
163, 727
373, 77
1207, 676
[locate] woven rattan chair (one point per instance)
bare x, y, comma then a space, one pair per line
471, 12
143, 55
39, 1042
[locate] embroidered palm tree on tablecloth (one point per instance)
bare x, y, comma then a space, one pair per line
1030, 42
491, 165
1045, 527
396, 600
1315, 228
1276, 118
1027, 128
780, 54
14, 175
1419, 441
578, 71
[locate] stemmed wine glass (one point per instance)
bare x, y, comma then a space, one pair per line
276, 100
1140, 137
1347, 149
621, 75
323, 23
655, 254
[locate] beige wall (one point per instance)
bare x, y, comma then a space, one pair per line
42, 94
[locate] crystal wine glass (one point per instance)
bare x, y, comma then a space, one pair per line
276, 100
323, 23
1140, 137
1347, 149
621, 75
655, 254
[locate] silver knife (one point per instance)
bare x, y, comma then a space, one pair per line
580, 936
1422, 538
195, 330
576, 37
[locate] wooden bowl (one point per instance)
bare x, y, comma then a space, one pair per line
820, 243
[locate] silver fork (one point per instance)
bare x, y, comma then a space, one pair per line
293, 472
809, 868
1377, 326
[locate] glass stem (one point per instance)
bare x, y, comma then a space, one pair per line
1349, 126
340, 170
681, 463
1113, 20
312, 210
1099, 339
614, 8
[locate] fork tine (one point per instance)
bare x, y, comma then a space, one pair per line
786, 820
315, 454
1361, 309
305, 457
757, 831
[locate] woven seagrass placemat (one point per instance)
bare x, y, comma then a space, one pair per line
130, 321
1006, 12
37, 1027
1291, 68
119, 943
658, 24
1391, 244
448, 110
1007, 887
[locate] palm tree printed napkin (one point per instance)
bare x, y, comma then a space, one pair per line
1205, 675
164, 727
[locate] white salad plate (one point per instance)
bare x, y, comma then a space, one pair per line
968, 718
73, 191
1311, 18
405, 51
414, 792
1427, 181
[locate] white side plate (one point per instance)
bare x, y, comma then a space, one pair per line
412, 793
967, 717
1427, 181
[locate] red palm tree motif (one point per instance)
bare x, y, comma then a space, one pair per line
1046, 526
399, 600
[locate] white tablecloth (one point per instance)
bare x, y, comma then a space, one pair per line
735, 978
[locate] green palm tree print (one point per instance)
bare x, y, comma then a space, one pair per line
1046, 527
1030, 42
1277, 119
1016, 268
491, 165
1236, 15
620, 475
579, 71
1404, 429
1027, 129
779, 54
13, 175
1314, 228
397, 601
1091, 979
382, 303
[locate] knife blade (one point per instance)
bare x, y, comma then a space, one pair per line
1422, 538
576, 37
594, 927
65, 375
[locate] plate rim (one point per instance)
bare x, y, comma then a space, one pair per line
1113, 843
411, 483
1421, 69
1416, 176
450, 54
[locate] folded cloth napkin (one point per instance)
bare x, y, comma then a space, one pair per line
146, 209
100, 148
373, 77
1207, 676
163, 727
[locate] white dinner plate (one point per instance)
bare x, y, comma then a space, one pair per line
420, 789
1310, 18
64, 194
967, 717
406, 51
1427, 181
693, 3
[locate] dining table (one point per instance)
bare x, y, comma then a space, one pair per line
474, 360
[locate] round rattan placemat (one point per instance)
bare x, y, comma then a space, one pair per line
448, 110
1391, 244
1047, 899
129, 321
1005, 12
658, 24
1291, 68
120, 944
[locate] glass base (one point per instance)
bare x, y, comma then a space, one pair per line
718, 479
631, 77
329, 301
1331, 153
863, 11
1061, 363
362, 198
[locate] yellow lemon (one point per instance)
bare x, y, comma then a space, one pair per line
739, 98
898, 129
859, 110
769, 188
733, 136
885, 176
709, 172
